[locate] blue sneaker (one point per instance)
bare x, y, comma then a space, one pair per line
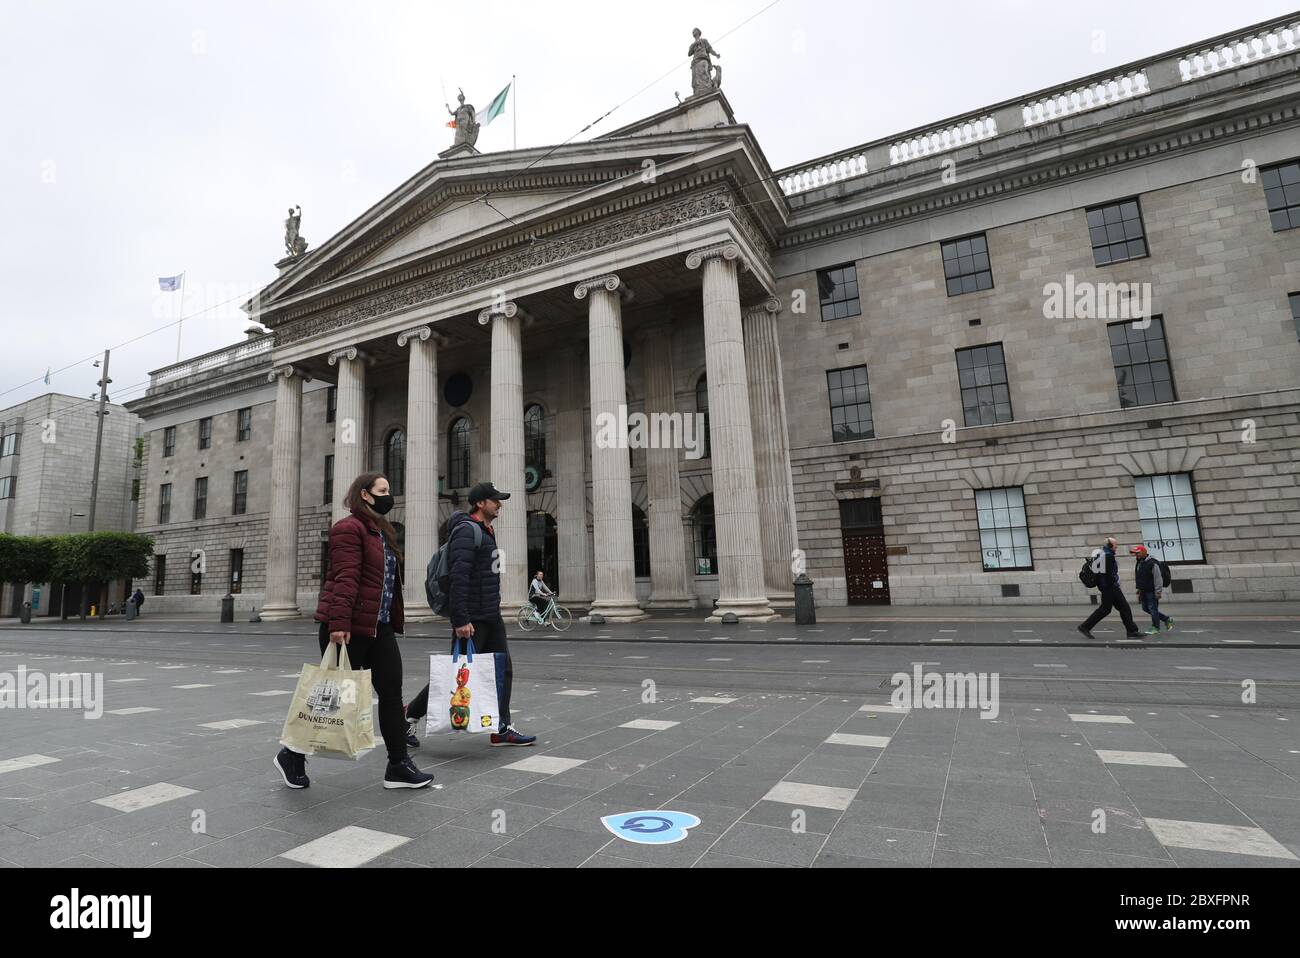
509, 735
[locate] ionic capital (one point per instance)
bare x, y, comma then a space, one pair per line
610, 281
503, 310
288, 372
728, 251
351, 353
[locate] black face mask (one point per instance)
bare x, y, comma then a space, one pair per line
382, 504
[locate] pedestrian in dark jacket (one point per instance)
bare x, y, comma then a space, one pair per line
1149, 580
361, 607
138, 599
475, 594
1112, 597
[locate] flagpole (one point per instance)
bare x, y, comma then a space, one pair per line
180, 322
514, 114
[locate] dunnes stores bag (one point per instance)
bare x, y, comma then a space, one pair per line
463, 693
331, 712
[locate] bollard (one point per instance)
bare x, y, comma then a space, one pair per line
228, 608
805, 609
25, 614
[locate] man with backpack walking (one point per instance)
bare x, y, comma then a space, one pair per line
1150, 577
474, 601
1104, 569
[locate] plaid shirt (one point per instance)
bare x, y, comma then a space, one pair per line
390, 581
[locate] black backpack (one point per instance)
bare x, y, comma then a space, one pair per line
1087, 576
437, 576
1164, 573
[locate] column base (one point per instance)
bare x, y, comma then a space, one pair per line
616, 611
781, 601
671, 602
278, 613
746, 610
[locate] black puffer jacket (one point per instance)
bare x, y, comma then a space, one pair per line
475, 587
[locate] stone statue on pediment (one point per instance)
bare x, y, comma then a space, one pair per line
706, 76
294, 243
465, 120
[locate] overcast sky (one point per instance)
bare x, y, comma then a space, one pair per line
143, 139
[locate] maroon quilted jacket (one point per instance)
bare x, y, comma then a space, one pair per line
349, 601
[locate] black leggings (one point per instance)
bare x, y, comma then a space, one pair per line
384, 660
489, 636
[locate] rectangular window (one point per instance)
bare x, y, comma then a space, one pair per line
985, 394
331, 403
1282, 193
236, 571
201, 498
1141, 358
1167, 511
838, 289
196, 583
159, 574
9, 445
966, 265
205, 433
1004, 531
244, 431
1116, 232
239, 501
165, 503
1295, 312
169, 441
850, 404
329, 480
8, 487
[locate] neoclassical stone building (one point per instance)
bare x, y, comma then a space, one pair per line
939, 367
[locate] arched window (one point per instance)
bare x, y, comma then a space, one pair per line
706, 542
702, 407
640, 543
535, 439
395, 462
458, 454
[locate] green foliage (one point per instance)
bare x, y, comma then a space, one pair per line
85, 557
27, 558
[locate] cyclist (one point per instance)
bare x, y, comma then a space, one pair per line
540, 594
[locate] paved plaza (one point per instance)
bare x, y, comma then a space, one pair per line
782, 740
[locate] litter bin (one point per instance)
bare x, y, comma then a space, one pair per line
805, 609
228, 608
25, 614
131, 610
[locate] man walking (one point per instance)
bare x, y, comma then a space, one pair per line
1112, 598
475, 611
1149, 580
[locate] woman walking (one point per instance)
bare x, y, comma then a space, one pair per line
361, 607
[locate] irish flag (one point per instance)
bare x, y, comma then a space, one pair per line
491, 111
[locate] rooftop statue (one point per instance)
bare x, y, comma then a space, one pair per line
706, 76
294, 243
465, 121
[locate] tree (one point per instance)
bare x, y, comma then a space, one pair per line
98, 557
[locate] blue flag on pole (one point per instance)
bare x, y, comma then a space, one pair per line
169, 284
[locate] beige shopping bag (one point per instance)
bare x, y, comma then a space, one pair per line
331, 712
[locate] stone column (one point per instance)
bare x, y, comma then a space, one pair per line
773, 480
349, 424
421, 466
668, 585
281, 599
571, 478
611, 472
507, 458
735, 507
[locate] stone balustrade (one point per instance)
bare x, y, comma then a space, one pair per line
211, 361
1161, 72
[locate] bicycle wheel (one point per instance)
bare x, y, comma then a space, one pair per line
561, 618
526, 619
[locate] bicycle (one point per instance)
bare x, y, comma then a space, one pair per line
556, 616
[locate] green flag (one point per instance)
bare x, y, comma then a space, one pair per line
493, 109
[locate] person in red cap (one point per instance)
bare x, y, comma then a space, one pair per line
1150, 582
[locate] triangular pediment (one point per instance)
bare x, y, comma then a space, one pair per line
456, 209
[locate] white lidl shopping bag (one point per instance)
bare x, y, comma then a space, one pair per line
464, 691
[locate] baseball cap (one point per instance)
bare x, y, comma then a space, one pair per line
485, 490
1138, 550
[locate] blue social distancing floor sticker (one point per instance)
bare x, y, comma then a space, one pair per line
656, 827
